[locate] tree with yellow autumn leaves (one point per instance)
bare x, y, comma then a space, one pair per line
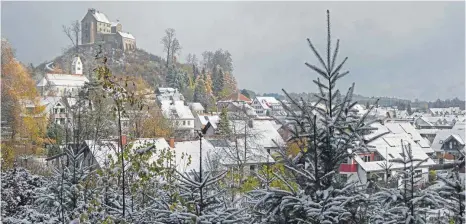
21, 109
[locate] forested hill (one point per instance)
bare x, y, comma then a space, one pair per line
206, 84
137, 63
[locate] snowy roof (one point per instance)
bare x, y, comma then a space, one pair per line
437, 121
204, 119
237, 107
389, 147
266, 101
406, 127
191, 148
443, 135
114, 23
262, 133
63, 80
254, 155
103, 150
126, 35
449, 110
100, 16
428, 131
159, 143
459, 126
404, 131
176, 110
196, 107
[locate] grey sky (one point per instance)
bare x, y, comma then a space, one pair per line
403, 49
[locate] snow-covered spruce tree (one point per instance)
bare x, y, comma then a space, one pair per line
452, 190
333, 133
203, 201
65, 194
19, 191
407, 203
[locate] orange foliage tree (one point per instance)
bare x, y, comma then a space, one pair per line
18, 90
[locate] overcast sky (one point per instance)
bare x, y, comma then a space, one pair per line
404, 49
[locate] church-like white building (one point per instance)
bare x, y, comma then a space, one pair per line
64, 84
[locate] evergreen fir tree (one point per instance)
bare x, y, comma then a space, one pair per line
218, 80
407, 203
452, 193
200, 94
224, 123
333, 134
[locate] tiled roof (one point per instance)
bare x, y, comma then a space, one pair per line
236, 97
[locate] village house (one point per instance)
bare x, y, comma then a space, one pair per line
443, 122
196, 108
96, 27
449, 143
439, 112
181, 117
63, 85
268, 106
366, 165
234, 97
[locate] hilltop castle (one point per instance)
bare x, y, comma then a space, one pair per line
95, 28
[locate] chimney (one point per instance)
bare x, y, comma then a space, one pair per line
171, 142
123, 140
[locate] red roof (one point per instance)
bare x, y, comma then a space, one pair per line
236, 97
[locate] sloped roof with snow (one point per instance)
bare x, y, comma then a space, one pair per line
126, 35
191, 148
196, 106
265, 101
63, 80
389, 147
100, 17
102, 150
176, 110
444, 134
404, 130
262, 133
213, 119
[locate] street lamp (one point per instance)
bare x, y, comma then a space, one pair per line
199, 132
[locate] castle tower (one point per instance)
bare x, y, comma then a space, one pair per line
77, 66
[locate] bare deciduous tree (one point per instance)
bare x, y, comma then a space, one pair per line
171, 44
72, 32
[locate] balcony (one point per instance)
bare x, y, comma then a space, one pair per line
348, 168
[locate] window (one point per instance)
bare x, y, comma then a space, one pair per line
252, 168
366, 158
451, 145
189, 122
184, 122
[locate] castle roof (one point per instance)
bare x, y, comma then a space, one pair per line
99, 16
126, 35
